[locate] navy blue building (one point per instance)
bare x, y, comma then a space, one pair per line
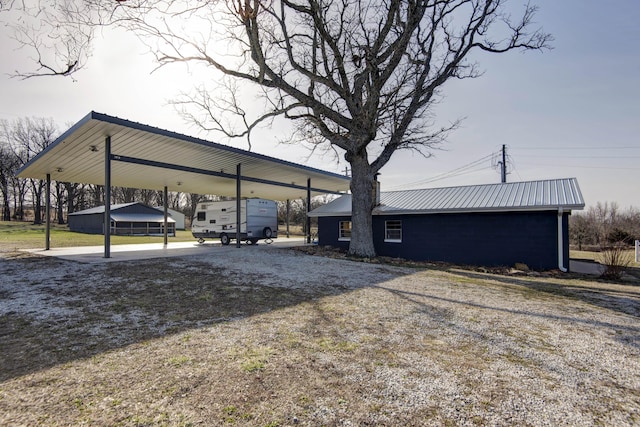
488, 225
132, 219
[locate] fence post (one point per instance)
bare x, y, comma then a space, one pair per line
637, 250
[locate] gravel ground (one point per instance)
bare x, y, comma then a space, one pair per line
265, 337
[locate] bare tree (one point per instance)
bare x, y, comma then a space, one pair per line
60, 200
76, 196
360, 77
579, 230
58, 44
95, 195
192, 200
175, 200
27, 137
70, 195
8, 166
603, 225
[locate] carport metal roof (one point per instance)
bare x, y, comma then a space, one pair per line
151, 158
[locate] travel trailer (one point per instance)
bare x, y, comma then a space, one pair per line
258, 220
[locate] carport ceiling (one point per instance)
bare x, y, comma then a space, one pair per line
150, 158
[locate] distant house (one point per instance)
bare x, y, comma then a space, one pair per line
488, 225
133, 219
178, 217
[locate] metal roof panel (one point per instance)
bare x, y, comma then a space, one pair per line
78, 156
532, 195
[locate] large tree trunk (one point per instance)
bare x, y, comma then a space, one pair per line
71, 197
37, 202
6, 209
362, 204
60, 202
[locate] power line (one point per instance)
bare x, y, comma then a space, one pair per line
580, 166
578, 148
588, 157
462, 170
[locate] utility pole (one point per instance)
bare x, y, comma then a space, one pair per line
503, 165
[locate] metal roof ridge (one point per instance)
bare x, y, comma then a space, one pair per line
114, 206
492, 184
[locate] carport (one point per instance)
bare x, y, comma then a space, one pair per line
110, 151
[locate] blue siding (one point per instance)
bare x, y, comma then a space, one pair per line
487, 239
328, 231
90, 223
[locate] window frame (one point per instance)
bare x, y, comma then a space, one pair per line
341, 230
388, 239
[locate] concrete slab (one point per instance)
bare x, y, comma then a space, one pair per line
584, 267
134, 252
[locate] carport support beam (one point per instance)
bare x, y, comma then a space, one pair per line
166, 215
238, 205
107, 197
287, 217
47, 215
308, 210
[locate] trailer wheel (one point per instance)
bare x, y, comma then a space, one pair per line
224, 239
267, 233
200, 240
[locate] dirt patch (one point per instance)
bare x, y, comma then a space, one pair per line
277, 338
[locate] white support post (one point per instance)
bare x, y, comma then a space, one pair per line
637, 250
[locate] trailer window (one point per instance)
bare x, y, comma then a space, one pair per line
202, 216
344, 232
393, 231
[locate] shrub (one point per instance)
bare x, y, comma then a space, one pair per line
616, 259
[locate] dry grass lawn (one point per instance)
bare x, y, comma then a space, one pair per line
270, 337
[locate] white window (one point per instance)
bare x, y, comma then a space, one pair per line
393, 231
344, 231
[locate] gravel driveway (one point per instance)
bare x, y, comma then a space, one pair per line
266, 337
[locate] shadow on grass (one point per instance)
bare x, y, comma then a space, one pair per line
53, 311
608, 295
617, 300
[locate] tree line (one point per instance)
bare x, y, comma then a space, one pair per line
604, 225
23, 198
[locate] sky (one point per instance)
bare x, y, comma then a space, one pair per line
573, 111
